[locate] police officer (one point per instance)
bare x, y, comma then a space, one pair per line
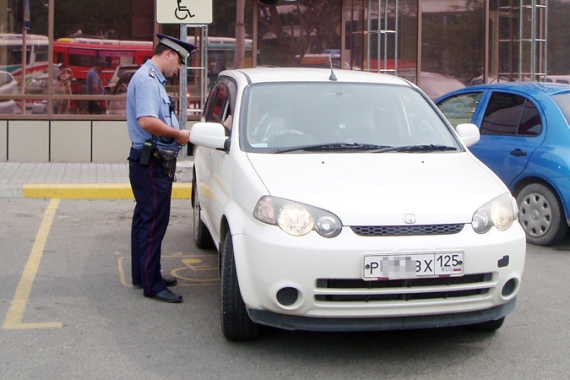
152, 124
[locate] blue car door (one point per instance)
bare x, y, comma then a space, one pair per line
512, 127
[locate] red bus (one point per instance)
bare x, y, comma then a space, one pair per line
80, 54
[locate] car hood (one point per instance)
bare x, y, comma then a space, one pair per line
379, 189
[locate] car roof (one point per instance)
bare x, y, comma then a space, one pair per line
289, 74
531, 88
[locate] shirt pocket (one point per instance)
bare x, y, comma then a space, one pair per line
166, 106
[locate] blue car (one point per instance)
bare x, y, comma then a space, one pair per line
525, 140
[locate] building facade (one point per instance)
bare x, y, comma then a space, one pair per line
47, 49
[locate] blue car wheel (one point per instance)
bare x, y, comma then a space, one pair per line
541, 215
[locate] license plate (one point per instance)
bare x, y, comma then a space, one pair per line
408, 266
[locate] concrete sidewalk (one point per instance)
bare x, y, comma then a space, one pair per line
79, 180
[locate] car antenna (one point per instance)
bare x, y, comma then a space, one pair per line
332, 77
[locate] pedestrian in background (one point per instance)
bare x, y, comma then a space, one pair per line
95, 87
156, 139
63, 87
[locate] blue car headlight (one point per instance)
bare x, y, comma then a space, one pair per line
296, 218
500, 212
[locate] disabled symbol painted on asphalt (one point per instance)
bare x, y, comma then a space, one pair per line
196, 270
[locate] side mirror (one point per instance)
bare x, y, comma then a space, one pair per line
209, 135
468, 133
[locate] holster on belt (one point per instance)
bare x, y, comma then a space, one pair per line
167, 160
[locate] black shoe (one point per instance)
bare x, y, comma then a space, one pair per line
167, 296
170, 281
166, 281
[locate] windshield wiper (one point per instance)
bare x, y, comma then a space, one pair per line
334, 146
415, 148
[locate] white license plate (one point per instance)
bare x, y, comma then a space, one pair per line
407, 266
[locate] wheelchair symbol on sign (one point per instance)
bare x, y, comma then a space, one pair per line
182, 10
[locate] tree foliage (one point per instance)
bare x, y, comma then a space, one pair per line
93, 18
309, 26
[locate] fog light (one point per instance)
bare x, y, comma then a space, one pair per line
287, 296
509, 287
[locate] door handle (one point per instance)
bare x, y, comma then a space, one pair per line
518, 152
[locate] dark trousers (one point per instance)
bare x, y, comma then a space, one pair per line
152, 190
96, 107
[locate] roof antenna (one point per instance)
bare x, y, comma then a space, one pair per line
332, 77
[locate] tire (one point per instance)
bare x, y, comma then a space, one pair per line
202, 237
541, 215
236, 324
488, 326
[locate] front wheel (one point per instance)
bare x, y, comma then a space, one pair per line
236, 324
541, 215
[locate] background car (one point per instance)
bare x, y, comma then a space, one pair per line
433, 84
525, 140
119, 107
565, 79
342, 201
9, 107
119, 73
8, 85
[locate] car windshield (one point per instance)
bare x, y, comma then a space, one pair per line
325, 117
563, 101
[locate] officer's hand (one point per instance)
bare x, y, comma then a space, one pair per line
183, 137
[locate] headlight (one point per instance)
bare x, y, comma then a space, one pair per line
295, 218
501, 212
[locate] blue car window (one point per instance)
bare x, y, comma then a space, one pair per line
563, 101
531, 124
460, 108
510, 115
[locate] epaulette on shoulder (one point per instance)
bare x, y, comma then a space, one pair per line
151, 73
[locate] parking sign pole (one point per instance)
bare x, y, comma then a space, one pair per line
185, 13
183, 101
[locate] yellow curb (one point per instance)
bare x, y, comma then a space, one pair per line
95, 191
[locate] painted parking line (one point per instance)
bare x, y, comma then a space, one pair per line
18, 305
180, 190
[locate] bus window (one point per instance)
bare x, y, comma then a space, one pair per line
11, 53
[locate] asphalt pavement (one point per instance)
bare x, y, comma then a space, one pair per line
79, 180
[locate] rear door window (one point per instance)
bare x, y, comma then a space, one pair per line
511, 115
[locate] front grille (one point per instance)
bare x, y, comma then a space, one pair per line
436, 229
357, 290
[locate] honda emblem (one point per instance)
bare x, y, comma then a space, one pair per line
409, 218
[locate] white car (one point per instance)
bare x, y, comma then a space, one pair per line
344, 201
8, 85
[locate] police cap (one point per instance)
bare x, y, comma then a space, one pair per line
182, 48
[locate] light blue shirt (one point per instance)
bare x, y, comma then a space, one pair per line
93, 77
146, 96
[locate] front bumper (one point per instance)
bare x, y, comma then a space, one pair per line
295, 322
311, 282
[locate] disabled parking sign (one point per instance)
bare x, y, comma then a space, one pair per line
184, 11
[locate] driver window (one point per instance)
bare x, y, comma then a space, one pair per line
460, 109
